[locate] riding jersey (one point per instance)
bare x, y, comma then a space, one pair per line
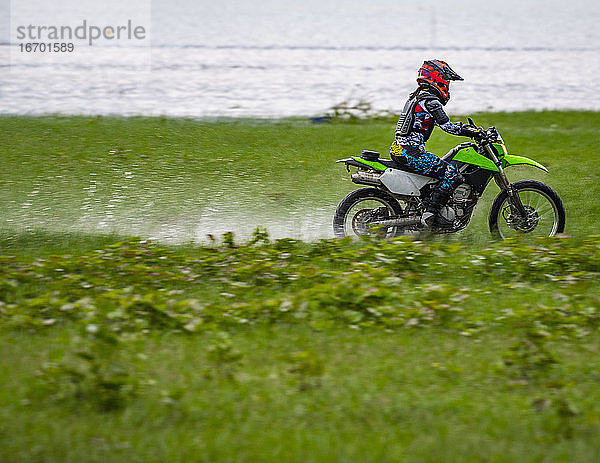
421, 113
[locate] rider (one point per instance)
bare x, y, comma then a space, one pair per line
420, 114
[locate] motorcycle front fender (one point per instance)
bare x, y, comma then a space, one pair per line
514, 160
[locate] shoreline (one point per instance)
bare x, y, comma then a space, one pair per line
274, 119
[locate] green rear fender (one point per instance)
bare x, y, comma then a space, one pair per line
373, 164
514, 160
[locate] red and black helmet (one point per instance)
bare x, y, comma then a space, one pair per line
436, 75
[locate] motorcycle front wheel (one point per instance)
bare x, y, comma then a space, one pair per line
544, 212
355, 213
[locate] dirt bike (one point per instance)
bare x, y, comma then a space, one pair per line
393, 204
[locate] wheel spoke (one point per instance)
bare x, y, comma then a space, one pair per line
542, 216
365, 211
545, 212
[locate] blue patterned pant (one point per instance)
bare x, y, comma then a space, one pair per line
415, 159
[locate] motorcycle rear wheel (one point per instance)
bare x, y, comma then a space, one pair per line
354, 212
545, 212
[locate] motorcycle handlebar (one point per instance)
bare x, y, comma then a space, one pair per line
481, 137
484, 134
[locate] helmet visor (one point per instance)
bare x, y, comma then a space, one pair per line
444, 69
450, 74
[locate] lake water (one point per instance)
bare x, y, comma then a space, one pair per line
287, 58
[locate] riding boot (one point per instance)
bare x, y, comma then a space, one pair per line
433, 207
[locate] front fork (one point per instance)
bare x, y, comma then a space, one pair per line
514, 200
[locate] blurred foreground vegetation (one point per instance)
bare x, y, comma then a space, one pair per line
326, 351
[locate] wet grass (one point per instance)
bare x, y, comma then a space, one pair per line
264, 349
177, 180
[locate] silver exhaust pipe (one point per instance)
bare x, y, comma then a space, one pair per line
366, 178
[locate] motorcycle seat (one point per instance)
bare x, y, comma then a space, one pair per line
388, 163
374, 156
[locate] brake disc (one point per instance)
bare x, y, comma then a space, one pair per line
526, 224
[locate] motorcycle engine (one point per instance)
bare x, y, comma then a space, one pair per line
448, 213
462, 193
460, 198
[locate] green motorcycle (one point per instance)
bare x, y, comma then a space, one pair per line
393, 203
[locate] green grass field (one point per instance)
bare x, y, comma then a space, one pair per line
177, 180
255, 347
